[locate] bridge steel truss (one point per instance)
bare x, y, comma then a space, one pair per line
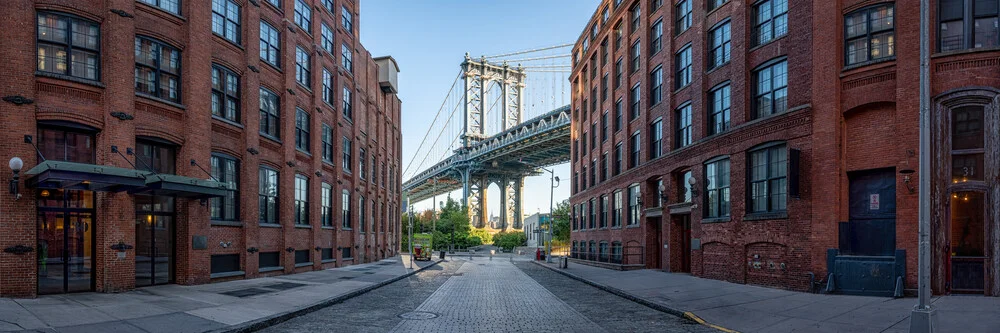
503, 159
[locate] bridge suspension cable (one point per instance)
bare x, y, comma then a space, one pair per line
529, 51
539, 58
441, 108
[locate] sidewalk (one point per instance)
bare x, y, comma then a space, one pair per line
225, 306
747, 308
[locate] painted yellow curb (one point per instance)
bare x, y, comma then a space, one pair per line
697, 319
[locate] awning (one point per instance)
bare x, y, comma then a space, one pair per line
81, 176
184, 187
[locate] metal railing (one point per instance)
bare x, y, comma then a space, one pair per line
628, 255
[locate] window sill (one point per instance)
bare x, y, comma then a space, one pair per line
963, 51
227, 274
347, 259
713, 69
327, 228
88, 82
297, 149
303, 226
304, 264
275, 67
346, 229
270, 225
227, 121
304, 87
631, 226
867, 63
327, 261
616, 228
269, 269
230, 42
775, 39
221, 223
716, 219
164, 101
766, 216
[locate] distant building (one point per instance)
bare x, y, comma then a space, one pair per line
532, 223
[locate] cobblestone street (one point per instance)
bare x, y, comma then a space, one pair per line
485, 295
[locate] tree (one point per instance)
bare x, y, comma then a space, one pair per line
508, 240
560, 223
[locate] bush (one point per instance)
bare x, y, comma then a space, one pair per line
473, 241
509, 240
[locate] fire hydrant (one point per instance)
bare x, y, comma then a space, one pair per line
538, 254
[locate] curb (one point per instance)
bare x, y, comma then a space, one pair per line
650, 304
275, 319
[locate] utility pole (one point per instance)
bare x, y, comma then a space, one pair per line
434, 213
552, 190
922, 318
409, 216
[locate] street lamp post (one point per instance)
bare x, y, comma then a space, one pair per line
922, 318
409, 217
553, 182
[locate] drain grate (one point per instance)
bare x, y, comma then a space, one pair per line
346, 277
418, 315
284, 285
246, 292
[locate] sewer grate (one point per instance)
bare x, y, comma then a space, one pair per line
284, 285
346, 277
418, 315
246, 292
368, 273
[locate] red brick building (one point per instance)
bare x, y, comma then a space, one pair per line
775, 142
190, 142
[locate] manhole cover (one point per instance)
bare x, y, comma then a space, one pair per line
418, 315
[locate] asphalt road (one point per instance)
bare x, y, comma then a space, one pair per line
485, 295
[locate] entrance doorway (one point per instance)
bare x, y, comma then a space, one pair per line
967, 243
681, 250
655, 239
154, 238
65, 241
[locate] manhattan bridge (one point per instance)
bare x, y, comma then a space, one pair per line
505, 117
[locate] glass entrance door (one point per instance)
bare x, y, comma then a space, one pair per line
968, 242
154, 239
65, 242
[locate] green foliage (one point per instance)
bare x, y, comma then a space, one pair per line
508, 240
451, 227
474, 241
560, 228
484, 236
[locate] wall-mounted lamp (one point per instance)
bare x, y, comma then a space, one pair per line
906, 179
663, 193
694, 189
15, 166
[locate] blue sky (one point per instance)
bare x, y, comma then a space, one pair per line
429, 40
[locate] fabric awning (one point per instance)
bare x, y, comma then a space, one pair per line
184, 187
82, 176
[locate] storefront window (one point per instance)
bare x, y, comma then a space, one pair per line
58, 144
967, 144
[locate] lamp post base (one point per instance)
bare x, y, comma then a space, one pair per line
923, 320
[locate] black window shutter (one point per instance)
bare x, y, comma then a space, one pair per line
794, 164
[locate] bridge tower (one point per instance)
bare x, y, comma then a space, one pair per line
478, 76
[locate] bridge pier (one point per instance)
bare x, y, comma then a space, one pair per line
511, 193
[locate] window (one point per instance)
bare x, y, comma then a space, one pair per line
226, 20
361, 163
619, 71
173, 6
155, 156
717, 188
328, 4
963, 27
374, 172
68, 45
655, 4
347, 19
593, 172
618, 115
225, 93
345, 209
604, 126
635, 146
327, 143
683, 19
683, 137
269, 260
267, 195
603, 251
718, 110
770, 21
720, 40
656, 85
768, 184
328, 87
269, 118
593, 135
586, 44
326, 255
771, 90
583, 177
345, 253
346, 109
635, 56
270, 44
636, 17
62, 144
301, 130
633, 205
346, 58
361, 213
634, 100
968, 143
713, 4
225, 169
224, 263
604, 87
157, 69
583, 215
593, 31
301, 200
347, 160
684, 193
303, 67
870, 34
302, 257
593, 214
303, 15
618, 160
656, 33
616, 210
326, 35
656, 139
604, 166
604, 15
326, 213
618, 35
683, 70
604, 212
